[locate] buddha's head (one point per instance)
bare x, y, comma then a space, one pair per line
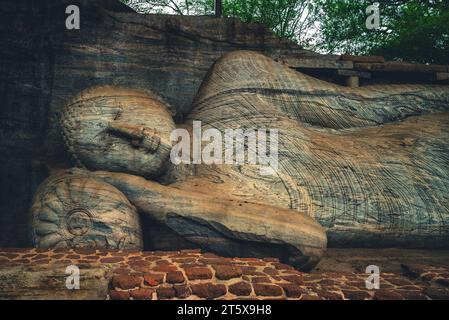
117, 129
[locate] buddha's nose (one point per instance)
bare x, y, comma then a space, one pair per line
139, 136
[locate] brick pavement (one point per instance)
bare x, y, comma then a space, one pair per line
191, 274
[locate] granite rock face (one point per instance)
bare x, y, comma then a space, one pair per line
36, 281
121, 130
44, 65
370, 164
345, 156
369, 159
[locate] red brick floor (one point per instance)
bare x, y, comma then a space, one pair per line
190, 274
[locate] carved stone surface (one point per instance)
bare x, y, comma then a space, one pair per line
39, 281
104, 128
370, 164
116, 129
72, 210
44, 65
358, 160
226, 226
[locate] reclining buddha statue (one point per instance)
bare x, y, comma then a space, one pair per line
363, 167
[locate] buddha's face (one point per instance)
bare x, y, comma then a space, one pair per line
116, 129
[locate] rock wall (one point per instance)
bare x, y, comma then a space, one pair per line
43, 65
359, 160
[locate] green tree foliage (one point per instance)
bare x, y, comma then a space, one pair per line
287, 18
181, 7
412, 30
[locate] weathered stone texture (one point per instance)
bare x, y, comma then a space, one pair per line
44, 65
22, 277
72, 210
369, 163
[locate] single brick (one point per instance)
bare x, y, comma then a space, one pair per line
150, 258
215, 261
94, 257
309, 297
85, 250
120, 253
291, 290
142, 294
191, 265
248, 259
241, 288
267, 289
226, 272
165, 293
387, 295
118, 295
108, 260
46, 261
356, 294
141, 266
208, 290
359, 284
270, 271
56, 256
182, 291
163, 263
69, 256
260, 280
329, 295
165, 268
122, 270
175, 277
102, 252
251, 271
198, 273
153, 279
184, 260
135, 259
124, 281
